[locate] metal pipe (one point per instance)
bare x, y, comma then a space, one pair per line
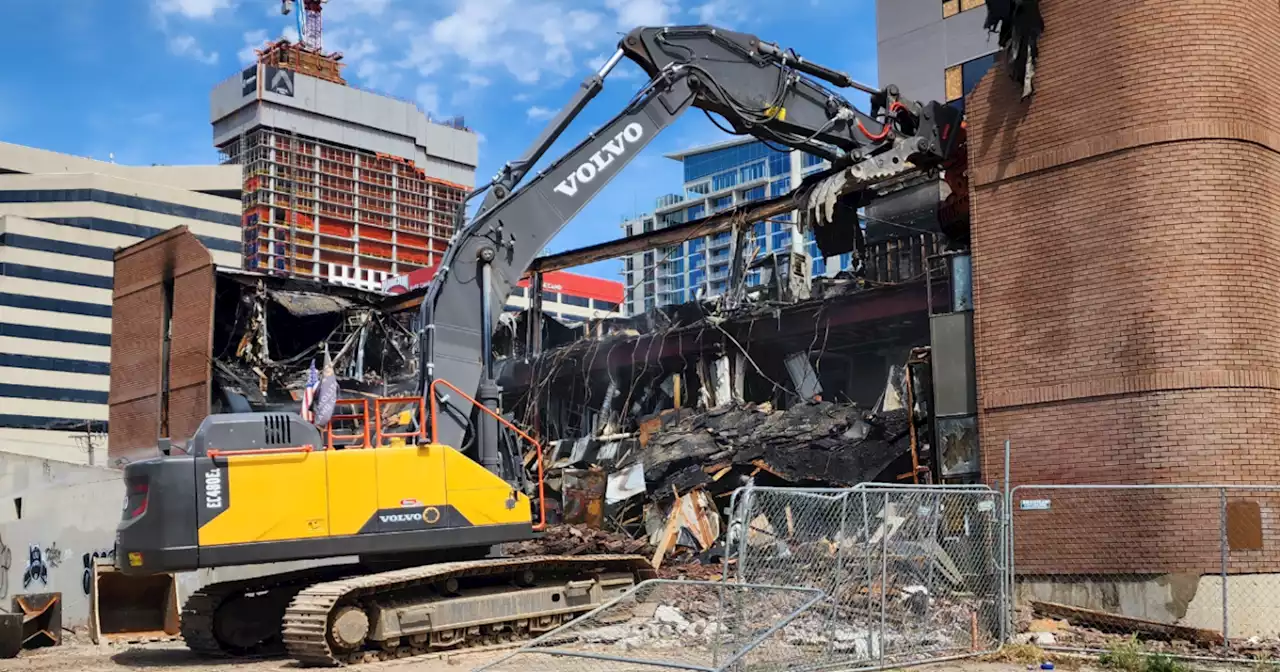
1222, 515
603, 437
1010, 580
486, 334
884, 575
609, 64
866, 534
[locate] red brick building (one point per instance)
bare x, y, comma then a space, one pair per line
1126, 259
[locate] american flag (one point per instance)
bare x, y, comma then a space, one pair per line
309, 394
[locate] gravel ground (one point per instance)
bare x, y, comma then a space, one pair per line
174, 657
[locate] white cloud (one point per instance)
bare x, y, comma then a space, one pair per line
428, 98
635, 13
377, 75
187, 46
253, 40
290, 33
353, 44
720, 12
474, 80
540, 113
346, 9
529, 39
193, 9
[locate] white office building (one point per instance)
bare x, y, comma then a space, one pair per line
61, 219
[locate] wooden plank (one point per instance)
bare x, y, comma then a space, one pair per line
1102, 619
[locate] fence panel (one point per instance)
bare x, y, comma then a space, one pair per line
912, 574
679, 625
1189, 569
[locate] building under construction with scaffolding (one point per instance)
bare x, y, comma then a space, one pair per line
340, 184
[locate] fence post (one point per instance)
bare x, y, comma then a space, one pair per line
884, 574
866, 534
1005, 612
842, 540
1223, 543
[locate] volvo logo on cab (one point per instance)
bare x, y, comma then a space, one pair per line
429, 515
604, 156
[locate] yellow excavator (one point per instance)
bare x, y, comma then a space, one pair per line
424, 509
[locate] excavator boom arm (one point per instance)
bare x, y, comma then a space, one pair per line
758, 88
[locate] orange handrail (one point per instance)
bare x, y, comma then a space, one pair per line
377, 412
542, 494
362, 416
214, 452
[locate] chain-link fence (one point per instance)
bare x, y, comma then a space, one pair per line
912, 574
1186, 569
683, 625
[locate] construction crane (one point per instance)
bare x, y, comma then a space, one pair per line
309, 23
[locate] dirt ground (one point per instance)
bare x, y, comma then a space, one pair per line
174, 657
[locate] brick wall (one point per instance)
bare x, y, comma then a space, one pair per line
1126, 247
137, 330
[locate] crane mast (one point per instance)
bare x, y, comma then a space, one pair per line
310, 25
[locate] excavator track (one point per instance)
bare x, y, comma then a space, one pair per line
209, 613
321, 615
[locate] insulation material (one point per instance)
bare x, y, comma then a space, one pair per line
625, 484
803, 377
723, 391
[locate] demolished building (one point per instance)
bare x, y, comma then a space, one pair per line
642, 420
203, 339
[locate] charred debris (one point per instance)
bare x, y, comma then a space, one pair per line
269, 330
650, 423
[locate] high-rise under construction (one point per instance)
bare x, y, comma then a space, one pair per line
340, 183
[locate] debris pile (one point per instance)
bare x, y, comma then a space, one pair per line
1050, 623
666, 487
578, 540
586, 540
808, 444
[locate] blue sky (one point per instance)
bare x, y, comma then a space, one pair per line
132, 77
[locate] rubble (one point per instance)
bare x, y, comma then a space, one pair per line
819, 443
578, 540
1150, 629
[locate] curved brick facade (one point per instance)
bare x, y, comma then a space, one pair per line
1126, 247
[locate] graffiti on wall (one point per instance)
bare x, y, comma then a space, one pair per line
53, 555
5, 562
37, 570
86, 581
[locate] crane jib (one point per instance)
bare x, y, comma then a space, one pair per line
587, 171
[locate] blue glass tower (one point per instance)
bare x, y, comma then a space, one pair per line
716, 177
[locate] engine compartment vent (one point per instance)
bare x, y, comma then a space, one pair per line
277, 430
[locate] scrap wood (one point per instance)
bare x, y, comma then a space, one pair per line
1102, 619
669, 534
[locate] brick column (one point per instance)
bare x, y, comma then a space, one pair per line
1126, 247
